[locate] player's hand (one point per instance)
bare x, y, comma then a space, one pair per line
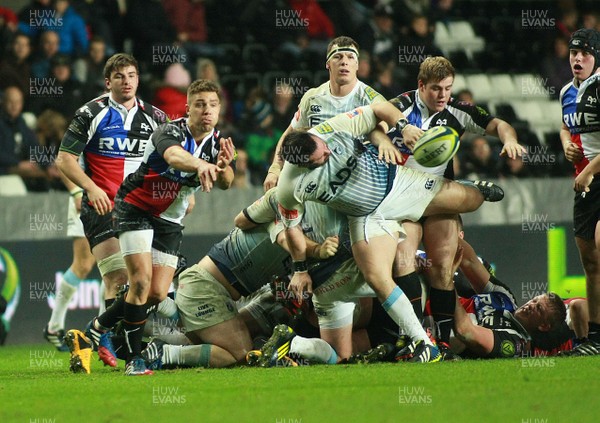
270, 181
512, 149
388, 152
328, 248
207, 174
573, 153
226, 153
583, 181
99, 201
410, 136
301, 283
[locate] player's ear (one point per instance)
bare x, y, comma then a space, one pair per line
544, 327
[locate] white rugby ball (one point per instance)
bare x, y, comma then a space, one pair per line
436, 146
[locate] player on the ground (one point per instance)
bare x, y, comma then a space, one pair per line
428, 106
328, 164
110, 133
237, 266
343, 92
580, 137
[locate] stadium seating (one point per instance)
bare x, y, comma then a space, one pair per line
12, 186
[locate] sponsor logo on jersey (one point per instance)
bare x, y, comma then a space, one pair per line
315, 108
324, 128
507, 348
354, 113
441, 122
129, 145
287, 214
371, 93
578, 118
310, 187
429, 184
145, 128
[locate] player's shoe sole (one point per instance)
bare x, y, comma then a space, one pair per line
586, 348
277, 347
57, 339
380, 353
252, 357
81, 351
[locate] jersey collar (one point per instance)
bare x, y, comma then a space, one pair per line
122, 109
421, 106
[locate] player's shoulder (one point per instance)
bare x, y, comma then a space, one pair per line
568, 86
174, 128
372, 95
315, 92
92, 108
404, 100
153, 112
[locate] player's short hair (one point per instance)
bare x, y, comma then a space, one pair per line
296, 148
119, 61
202, 86
434, 69
342, 41
557, 310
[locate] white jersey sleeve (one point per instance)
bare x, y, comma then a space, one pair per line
357, 123
291, 209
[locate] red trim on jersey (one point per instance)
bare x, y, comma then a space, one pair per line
576, 139
106, 172
155, 195
467, 303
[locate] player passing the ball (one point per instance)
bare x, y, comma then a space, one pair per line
328, 164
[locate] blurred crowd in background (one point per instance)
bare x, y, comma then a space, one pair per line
266, 54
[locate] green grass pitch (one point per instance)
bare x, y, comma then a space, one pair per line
37, 387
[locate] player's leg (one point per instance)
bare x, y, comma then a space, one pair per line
375, 259
440, 239
136, 249
405, 267
211, 319
579, 317
454, 198
590, 259
83, 262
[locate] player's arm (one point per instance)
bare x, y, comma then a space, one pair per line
508, 136
179, 159
67, 161
472, 267
291, 210
476, 338
275, 168
572, 152
263, 210
75, 191
320, 251
224, 160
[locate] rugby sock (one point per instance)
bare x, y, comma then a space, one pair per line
64, 293
442, 309
113, 313
400, 310
313, 349
168, 309
133, 327
411, 285
187, 355
594, 332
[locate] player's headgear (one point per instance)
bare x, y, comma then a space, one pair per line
587, 40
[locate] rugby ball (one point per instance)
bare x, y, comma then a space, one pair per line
436, 146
